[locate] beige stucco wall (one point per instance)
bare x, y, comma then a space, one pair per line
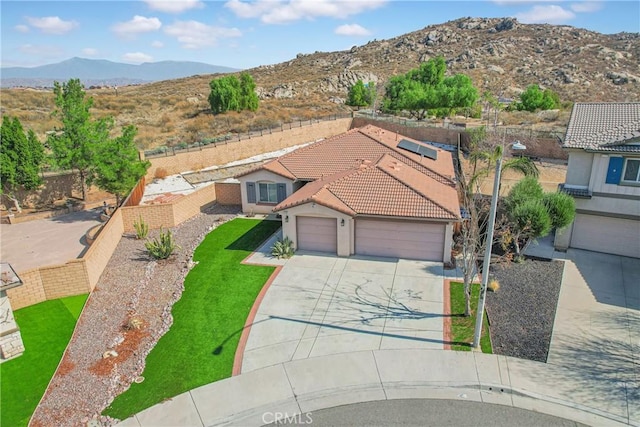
235, 150
579, 168
261, 176
345, 233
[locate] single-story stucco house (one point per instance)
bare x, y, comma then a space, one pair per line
368, 191
603, 175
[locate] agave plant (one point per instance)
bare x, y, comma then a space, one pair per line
283, 248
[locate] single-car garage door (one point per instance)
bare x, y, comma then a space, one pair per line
400, 239
317, 234
603, 234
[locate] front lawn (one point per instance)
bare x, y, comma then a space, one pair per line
46, 329
208, 319
462, 328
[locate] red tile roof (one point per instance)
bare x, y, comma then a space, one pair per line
387, 188
363, 172
348, 150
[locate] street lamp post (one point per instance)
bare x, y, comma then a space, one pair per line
517, 145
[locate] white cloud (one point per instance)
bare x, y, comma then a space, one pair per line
195, 35
278, 12
157, 44
139, 24
51, 24
41, 50
21, 28
174, 6
551, 14
89, 51
352, 30
137, 57
587, 6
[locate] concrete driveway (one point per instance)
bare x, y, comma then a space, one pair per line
320, 305
596, 334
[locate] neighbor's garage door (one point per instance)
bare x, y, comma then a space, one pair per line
400, 239
609, 235
317, 234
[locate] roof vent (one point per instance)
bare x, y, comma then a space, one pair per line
416, 148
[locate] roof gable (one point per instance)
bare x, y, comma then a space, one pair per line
349, 150
387, 188
604, 126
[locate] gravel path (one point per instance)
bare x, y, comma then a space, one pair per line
523, 310
132, 286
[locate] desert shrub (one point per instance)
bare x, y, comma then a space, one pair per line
162, 246
493, 285
142, 228
160, 173
283, 248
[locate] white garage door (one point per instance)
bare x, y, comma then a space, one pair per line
317, 234
610, 235
400, 239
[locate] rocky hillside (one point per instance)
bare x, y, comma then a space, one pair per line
500, 55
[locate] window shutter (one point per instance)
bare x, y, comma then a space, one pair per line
251, 192
615, 170
282, 192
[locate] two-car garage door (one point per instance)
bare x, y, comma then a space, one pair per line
603, 234
386, 238
400, 239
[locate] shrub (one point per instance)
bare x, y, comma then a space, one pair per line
283, 248
493, 285
142, 228
162, 246
561, 207
160, 173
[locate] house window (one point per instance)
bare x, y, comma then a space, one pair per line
268, 193
631, 171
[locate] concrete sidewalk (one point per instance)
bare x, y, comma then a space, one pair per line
306, 385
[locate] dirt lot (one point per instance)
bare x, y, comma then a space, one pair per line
551, 174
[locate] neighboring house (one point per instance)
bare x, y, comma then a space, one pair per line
367, 191
603, 141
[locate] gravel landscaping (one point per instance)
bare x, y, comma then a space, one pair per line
105, 356
522, 312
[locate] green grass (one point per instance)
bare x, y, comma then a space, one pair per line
208, 319
46, 329
462, 328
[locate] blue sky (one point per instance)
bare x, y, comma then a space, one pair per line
245, 34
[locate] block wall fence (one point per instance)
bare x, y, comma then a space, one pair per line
80, 276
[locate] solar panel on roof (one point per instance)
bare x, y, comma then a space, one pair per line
418, 149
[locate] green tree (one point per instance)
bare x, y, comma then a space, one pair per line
533, 99
472, 236
358, 95
73, 144
231, 93
117, 166
532, 213
21, 156
248, 97
561, 208
225, 94
427, 89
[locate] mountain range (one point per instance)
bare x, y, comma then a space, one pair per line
104, 73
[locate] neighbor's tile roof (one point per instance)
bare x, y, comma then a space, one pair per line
388, 187
350, 149
604, 126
